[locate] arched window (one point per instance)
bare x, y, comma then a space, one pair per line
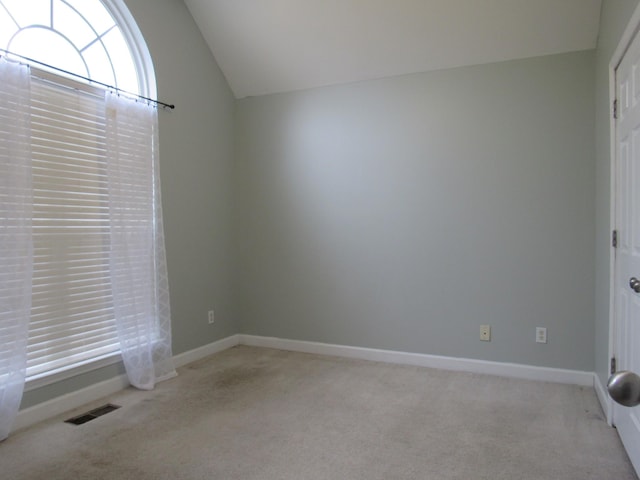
91, 38
77, 135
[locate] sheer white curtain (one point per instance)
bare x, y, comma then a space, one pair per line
137, 258
16, 250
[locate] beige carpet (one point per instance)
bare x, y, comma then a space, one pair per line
252, 413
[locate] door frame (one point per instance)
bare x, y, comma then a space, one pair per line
623, 44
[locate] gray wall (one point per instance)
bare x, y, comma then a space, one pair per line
400, 213
196, 154
196, 157
403, 213
614, 17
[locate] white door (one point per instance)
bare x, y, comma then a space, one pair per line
627, 262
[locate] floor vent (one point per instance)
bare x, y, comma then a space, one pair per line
92, 414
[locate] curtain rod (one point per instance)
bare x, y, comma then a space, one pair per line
111, 87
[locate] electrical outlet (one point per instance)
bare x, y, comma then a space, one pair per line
211, 316
541, 335
485, 333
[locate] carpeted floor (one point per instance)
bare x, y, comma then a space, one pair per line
252, 413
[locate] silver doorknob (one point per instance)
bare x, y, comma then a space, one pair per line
634, 283
624, 388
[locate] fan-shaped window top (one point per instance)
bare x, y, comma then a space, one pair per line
80, 36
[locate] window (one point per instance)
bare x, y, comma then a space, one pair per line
72, 314
72, 319
79, 36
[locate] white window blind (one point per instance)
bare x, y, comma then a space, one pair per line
72, 317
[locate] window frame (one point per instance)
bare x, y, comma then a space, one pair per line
147, 87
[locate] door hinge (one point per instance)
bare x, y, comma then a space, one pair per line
613, 365
615, 109
614, 239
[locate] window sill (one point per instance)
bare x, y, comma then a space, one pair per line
36, 381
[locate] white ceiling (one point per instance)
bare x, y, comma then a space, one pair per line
268, 46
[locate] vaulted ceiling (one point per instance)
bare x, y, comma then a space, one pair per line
269, 46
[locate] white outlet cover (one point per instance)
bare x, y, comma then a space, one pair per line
485, 333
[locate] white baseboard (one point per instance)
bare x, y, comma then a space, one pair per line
184, 358
603, 398
529, 372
